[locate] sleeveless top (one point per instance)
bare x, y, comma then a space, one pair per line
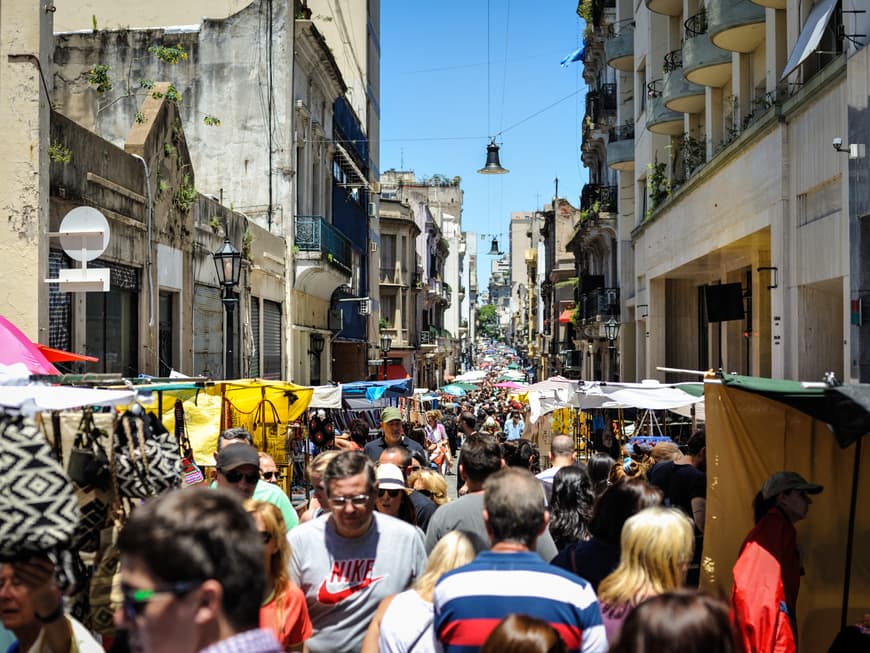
407, 625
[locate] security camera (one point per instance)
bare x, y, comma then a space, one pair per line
837, 143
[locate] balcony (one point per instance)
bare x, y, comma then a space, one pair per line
601, 199
601, 105
322, 256
393, 277
679, 94
620, 148
598, 305
619, 49
773, 4
666, 7
703, 62
660, 119
735, 25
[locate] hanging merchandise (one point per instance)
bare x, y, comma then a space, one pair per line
320, 428
88, 464
38, 509
267, 428
145, 458
105, 596
191, 474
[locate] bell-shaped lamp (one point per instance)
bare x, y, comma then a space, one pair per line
493, 165
228, 263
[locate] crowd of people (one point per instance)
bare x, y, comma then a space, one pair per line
593, 557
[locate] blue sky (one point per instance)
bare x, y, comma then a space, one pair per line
435, 117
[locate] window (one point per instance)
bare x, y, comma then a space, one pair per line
388, 257
388, 309
112, 331
166, 337
272, 337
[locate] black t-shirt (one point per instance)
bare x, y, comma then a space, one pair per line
680, 483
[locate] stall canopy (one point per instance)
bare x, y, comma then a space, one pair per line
396, 371
758, 426
35, 398
374, 394
15, 347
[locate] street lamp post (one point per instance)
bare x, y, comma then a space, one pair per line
228, 263
386, 343
611, 331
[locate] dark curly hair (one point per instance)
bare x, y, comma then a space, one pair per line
571, 506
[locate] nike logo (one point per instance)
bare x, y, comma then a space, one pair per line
331, 598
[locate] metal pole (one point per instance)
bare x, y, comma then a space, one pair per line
229, 305
385, 365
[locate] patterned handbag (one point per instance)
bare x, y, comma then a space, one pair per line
145, 460
38, 508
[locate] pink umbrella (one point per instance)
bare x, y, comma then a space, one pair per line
15, 347
510, 385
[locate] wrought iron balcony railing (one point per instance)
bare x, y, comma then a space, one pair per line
314, 234
604, 196
598, 303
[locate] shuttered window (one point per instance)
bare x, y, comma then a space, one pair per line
254, 367
208, 332
272, 337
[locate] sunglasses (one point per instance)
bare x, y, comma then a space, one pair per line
425, 493
392, 493
134, 600
357, 500
416, 468
267, 536
271, 475
234, 477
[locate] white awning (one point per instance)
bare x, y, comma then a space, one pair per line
355, 175
810, 35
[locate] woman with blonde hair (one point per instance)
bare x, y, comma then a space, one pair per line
284, 610
403, 622
656, 548
318, 504
437, 445
431, 484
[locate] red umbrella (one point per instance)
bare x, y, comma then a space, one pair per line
15, 347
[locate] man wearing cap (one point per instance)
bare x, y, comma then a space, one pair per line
768, 570
262, 490
238, 469
391, 436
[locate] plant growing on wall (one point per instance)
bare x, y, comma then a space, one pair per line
658, 185
186, 195
247, 241
59, 153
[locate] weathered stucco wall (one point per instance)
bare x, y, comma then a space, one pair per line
111, 14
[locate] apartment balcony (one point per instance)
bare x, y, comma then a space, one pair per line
678, 93
598, 305
703, 62
666, 7
735, 25
322, 256
601, 104
660, 119
619, 49
601, 199
428, 338
393, 277
620, 148
446, 293
773, 4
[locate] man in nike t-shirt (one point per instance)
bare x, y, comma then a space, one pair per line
348, 560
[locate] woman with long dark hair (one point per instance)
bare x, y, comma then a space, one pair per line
571, 506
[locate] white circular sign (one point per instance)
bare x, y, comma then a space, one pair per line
75, 244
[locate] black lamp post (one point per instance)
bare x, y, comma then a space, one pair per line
611, 331
386, 343
228, 263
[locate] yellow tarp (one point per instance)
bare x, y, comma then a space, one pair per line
748, 438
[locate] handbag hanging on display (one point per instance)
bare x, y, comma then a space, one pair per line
88, 463
145, 460
191, 474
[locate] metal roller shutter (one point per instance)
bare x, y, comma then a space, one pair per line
272, 337
254, 368
208, 332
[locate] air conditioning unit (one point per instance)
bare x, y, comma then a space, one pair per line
373, 209
373, 246
365, 307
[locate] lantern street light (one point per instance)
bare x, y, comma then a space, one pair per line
611, 330
228, 263
386, 343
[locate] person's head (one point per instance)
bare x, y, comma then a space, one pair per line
514, 507
453, 550
349, 480
316, 470
398, 456
431, 484
515, 416
697, 449
481, 456
599, 467
789, 491
392, 497
520, 633
391, 424
233, 436
571, 504
276, 549
359, 431
682, 621
431, 417
191, 567
618, 503
268, 469
627, 468
656, 547
467, 423
521, 452
237, 468
664, 451
562, 450
17, 612
417, 462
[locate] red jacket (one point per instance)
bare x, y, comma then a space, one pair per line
766, 583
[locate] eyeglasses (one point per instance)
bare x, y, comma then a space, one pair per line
357, 500
267, 536
235, 476
416, 468
134, 600
392, 493
268, 476
425, 493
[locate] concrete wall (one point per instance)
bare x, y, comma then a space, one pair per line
110, 14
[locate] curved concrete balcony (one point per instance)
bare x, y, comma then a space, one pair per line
619, 50
773, 4
660, 119
704, 63
678, 93
735, 25
620, 148
666, 7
